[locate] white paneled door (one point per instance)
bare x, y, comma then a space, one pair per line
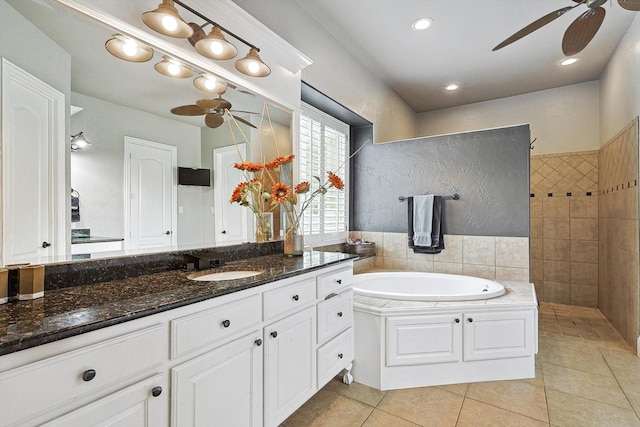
231, 219
33, 191
150, 194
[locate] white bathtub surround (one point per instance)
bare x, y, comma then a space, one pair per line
400, 344
488, 257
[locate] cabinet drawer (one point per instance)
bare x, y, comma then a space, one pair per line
334, 282
208, 326
35, 388
334, 315
289, 298
334, 356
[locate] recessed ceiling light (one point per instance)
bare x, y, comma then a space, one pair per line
569, 61
421, 24
452, 86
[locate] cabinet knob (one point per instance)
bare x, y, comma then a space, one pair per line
457, 320
339, 314
340, 355
470, 320
224, 231
156, 391
339, 281
296, 297
226, 323
259, 342
167, 232
274, 334
46, 244
88, 375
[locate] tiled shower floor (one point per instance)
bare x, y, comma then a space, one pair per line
586, 375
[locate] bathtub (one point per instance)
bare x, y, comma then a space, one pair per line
416, 286
422, 329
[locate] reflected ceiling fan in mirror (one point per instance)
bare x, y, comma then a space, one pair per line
582, 29
213, 110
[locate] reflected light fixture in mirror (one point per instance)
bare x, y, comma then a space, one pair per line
173, 68
252, 65
210, 84
166, 20
127, 49
78, 142
216, 46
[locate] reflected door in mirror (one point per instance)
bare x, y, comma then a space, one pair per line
231, 218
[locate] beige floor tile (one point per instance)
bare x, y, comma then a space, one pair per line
360, 392
566, 410
631, 389
600, 388
380, 418
460, 389
330, 410
515, 396
586, 361
426, 406
478, 414
621, 361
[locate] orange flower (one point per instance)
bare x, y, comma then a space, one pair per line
335, 181
256, 181
237, 192
302, 188
280, 192
279, 161
249, 167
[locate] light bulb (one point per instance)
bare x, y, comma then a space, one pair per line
130, 48
216, 47
210, 83
81, 143
169, 23
173, 69
253, 67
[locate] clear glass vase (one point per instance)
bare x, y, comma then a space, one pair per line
293, 242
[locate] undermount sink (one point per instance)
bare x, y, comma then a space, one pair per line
226, 275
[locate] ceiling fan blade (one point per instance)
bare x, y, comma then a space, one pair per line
213, 120
209, 104
535, 25
240, 119
582, 30
630, 4
188, 110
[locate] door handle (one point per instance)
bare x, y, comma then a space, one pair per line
167, 232
46, 244
224, 231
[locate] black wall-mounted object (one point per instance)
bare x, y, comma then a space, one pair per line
194, 176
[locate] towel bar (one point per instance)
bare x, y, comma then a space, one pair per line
456, 196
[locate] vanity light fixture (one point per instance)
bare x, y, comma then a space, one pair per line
166, 20
452, 87
173, 68
252, 65
210, 84
215, 46
569, 61
128, 49
78, 142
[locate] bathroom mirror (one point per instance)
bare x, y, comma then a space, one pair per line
110, 100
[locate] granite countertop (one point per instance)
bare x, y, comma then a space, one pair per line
67, 312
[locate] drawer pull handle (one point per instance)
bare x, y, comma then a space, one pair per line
470, 320
88, 375
339, 314
340, 356
156, 391
258, 342
339, 281
457, 320
274, 334
296, 297
226, 323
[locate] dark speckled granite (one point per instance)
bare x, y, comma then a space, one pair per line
70, 311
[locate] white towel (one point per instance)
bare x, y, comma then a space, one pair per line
422, 219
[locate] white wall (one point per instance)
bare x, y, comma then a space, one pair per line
562, 119
335, 71
620, 85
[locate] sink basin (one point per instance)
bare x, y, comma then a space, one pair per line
226, 275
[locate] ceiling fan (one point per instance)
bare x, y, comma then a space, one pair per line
213, 111
580, 32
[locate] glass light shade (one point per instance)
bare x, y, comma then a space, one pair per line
210, 84
252, 65
172, 68
78, 141
166, 20
216, 46
127, 49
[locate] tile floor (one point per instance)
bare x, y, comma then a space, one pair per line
586, 376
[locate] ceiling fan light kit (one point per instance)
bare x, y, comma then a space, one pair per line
580, 32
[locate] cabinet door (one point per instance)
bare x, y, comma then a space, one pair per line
141, 405
417, 340
222, 387
499, 335
290, 365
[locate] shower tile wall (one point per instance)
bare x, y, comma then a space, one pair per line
618, 249
564, 227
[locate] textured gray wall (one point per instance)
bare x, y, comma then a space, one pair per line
489, 169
